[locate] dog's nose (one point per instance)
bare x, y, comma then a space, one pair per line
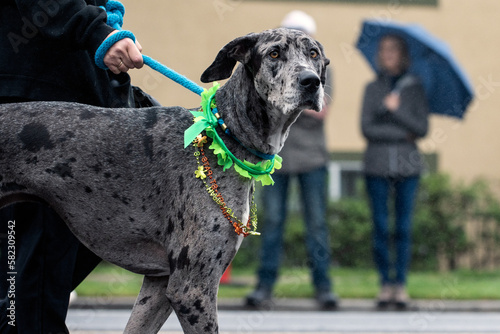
309, 80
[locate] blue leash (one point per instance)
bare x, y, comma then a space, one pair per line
115, 11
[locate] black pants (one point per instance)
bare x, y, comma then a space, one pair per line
50, 263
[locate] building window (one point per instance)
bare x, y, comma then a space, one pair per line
346, 178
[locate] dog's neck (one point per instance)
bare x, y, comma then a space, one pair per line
248, 116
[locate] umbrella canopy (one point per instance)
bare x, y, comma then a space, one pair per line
448, 89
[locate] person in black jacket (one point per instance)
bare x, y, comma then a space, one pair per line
394, 116
47, 52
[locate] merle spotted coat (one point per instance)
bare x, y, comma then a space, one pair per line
126, 187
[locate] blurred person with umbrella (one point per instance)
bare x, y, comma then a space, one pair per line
416, 74
447, 88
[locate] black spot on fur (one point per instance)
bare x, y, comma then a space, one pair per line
151, 118
183, 259
34, 136
144, 300
193, 319
208, 328
255, 62
61, 169
219, 255
171, 262
197, 305
216, 228
88, 190
12, 186
96, 168
275, 69
170, 227
87, 114
147, 141
181, 184
33, 160
128, 149
184, 310
124, 200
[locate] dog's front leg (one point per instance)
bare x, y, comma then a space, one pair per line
194, 300
151, 308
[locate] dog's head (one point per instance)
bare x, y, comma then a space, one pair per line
288, 68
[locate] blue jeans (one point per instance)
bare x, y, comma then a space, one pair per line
314, 199
405, 190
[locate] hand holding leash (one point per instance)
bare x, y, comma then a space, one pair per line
123, 55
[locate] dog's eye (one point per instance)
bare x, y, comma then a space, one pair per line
274, 54
313, 53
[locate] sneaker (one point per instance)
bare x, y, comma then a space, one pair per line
385, 296
258, 297
401, 298
327, 300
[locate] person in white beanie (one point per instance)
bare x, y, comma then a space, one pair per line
305, 157
299, 20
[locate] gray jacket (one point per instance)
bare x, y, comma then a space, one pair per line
391, 149
305, 147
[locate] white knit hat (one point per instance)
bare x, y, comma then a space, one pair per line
299, 20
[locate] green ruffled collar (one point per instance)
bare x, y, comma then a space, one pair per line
206, 120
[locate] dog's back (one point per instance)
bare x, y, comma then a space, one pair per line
77, 157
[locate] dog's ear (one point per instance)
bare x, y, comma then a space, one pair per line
236, 50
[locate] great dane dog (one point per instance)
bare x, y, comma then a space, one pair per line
126, 187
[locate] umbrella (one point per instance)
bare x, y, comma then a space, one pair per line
448, 89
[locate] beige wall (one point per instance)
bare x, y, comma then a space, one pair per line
186, 35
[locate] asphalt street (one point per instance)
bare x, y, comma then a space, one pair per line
90, 321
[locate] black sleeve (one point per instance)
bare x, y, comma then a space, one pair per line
74, 23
